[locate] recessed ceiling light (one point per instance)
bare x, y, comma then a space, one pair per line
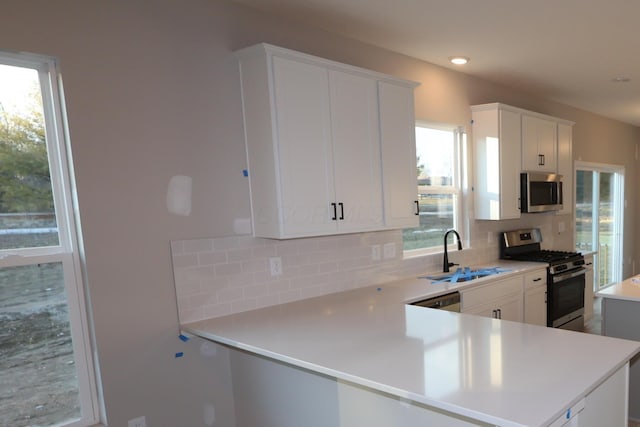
458, 60
621, 79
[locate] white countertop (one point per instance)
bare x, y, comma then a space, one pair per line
626, 290
500, 372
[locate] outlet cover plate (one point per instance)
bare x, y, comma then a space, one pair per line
138, 422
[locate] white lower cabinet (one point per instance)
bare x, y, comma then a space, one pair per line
271, 393
606, 405
502, 299
535, 297
588, 286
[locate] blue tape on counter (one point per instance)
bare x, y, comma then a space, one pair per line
568, 413
183, 337
179, 354
245, 172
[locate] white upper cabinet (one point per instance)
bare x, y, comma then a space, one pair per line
565, 166
313, 137
496, 143
539, 144
509, 140
398, 136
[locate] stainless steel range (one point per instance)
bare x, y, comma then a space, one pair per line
565, 276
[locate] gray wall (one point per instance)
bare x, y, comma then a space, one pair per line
153, 91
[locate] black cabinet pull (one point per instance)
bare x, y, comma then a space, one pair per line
341, 210
417, 207
335, 212
540, 159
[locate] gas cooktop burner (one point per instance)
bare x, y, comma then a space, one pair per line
546, 256
524, 245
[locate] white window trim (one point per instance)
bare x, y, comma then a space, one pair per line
618, 172
68, 251
460, 178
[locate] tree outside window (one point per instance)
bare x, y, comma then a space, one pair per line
46, 369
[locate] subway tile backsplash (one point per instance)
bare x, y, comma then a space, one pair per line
220, 276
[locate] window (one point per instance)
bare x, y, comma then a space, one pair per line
46, 369
599, 222
438, 154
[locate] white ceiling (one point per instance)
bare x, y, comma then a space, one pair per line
565, 50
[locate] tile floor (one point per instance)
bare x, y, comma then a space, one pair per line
593, 326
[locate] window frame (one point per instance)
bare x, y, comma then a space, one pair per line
68, 251
457, 190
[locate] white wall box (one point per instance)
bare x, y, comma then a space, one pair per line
497, 146
315, 130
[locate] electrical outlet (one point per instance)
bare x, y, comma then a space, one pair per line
138, 422
375, 253
275, 265
389, 250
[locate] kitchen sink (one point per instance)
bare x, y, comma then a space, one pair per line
465, 274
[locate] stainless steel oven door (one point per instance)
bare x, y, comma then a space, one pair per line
565, 300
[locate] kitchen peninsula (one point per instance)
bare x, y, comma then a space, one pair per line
620, 319
365, 357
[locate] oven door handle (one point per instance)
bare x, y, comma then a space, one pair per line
575, 273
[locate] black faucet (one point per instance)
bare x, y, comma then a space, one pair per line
445, 262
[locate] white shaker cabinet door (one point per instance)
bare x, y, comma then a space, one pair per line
539, 144
304, 152
356, 151
565, 166
398, 138
497, 147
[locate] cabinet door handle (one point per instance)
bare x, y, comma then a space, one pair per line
341, 210
495, 314
335, 212
417, 207
538, 279
541, 159
499, 313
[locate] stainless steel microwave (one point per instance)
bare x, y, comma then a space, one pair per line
540, 192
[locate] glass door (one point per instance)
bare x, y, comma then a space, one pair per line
599, 221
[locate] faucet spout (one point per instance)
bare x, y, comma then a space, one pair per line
445, 261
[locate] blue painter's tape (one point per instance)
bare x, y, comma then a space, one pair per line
183, 337
245, 172
569, 413
379, 289
179, 354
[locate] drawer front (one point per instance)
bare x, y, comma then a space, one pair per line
535, 279
492, 291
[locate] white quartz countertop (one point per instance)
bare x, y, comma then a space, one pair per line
500, 372
626, 290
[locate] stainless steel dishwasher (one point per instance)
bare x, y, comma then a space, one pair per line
448, 302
